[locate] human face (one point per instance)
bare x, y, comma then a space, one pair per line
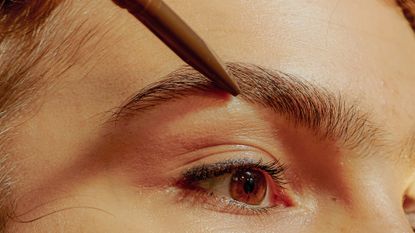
90, 159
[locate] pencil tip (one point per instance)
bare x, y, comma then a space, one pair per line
230, 85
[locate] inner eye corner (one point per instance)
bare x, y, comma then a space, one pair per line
407, 200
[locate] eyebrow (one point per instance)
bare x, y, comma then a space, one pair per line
328, 115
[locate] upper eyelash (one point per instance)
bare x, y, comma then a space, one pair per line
275, 169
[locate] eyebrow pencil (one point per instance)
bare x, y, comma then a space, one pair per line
180, 38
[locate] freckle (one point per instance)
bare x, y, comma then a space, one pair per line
333, 199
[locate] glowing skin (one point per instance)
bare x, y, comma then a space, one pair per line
111, 178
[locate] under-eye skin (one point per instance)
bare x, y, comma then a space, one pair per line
241, 186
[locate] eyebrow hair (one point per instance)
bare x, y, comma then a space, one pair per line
328, 115
408, 10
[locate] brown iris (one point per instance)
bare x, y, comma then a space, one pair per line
248, 186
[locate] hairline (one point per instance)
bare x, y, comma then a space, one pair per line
36, 40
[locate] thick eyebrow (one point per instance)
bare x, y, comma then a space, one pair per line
328, 115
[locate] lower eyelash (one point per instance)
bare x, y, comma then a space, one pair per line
208, 200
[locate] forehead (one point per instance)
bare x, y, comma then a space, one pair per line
332, 42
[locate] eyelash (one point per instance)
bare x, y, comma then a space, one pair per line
189, 180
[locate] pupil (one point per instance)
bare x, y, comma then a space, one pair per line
249, 185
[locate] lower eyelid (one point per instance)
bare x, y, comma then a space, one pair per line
209, 201
200, 199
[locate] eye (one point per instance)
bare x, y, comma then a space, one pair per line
237, 186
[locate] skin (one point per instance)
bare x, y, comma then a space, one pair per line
114, 178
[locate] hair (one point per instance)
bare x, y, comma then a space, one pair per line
20, 24
23, 25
